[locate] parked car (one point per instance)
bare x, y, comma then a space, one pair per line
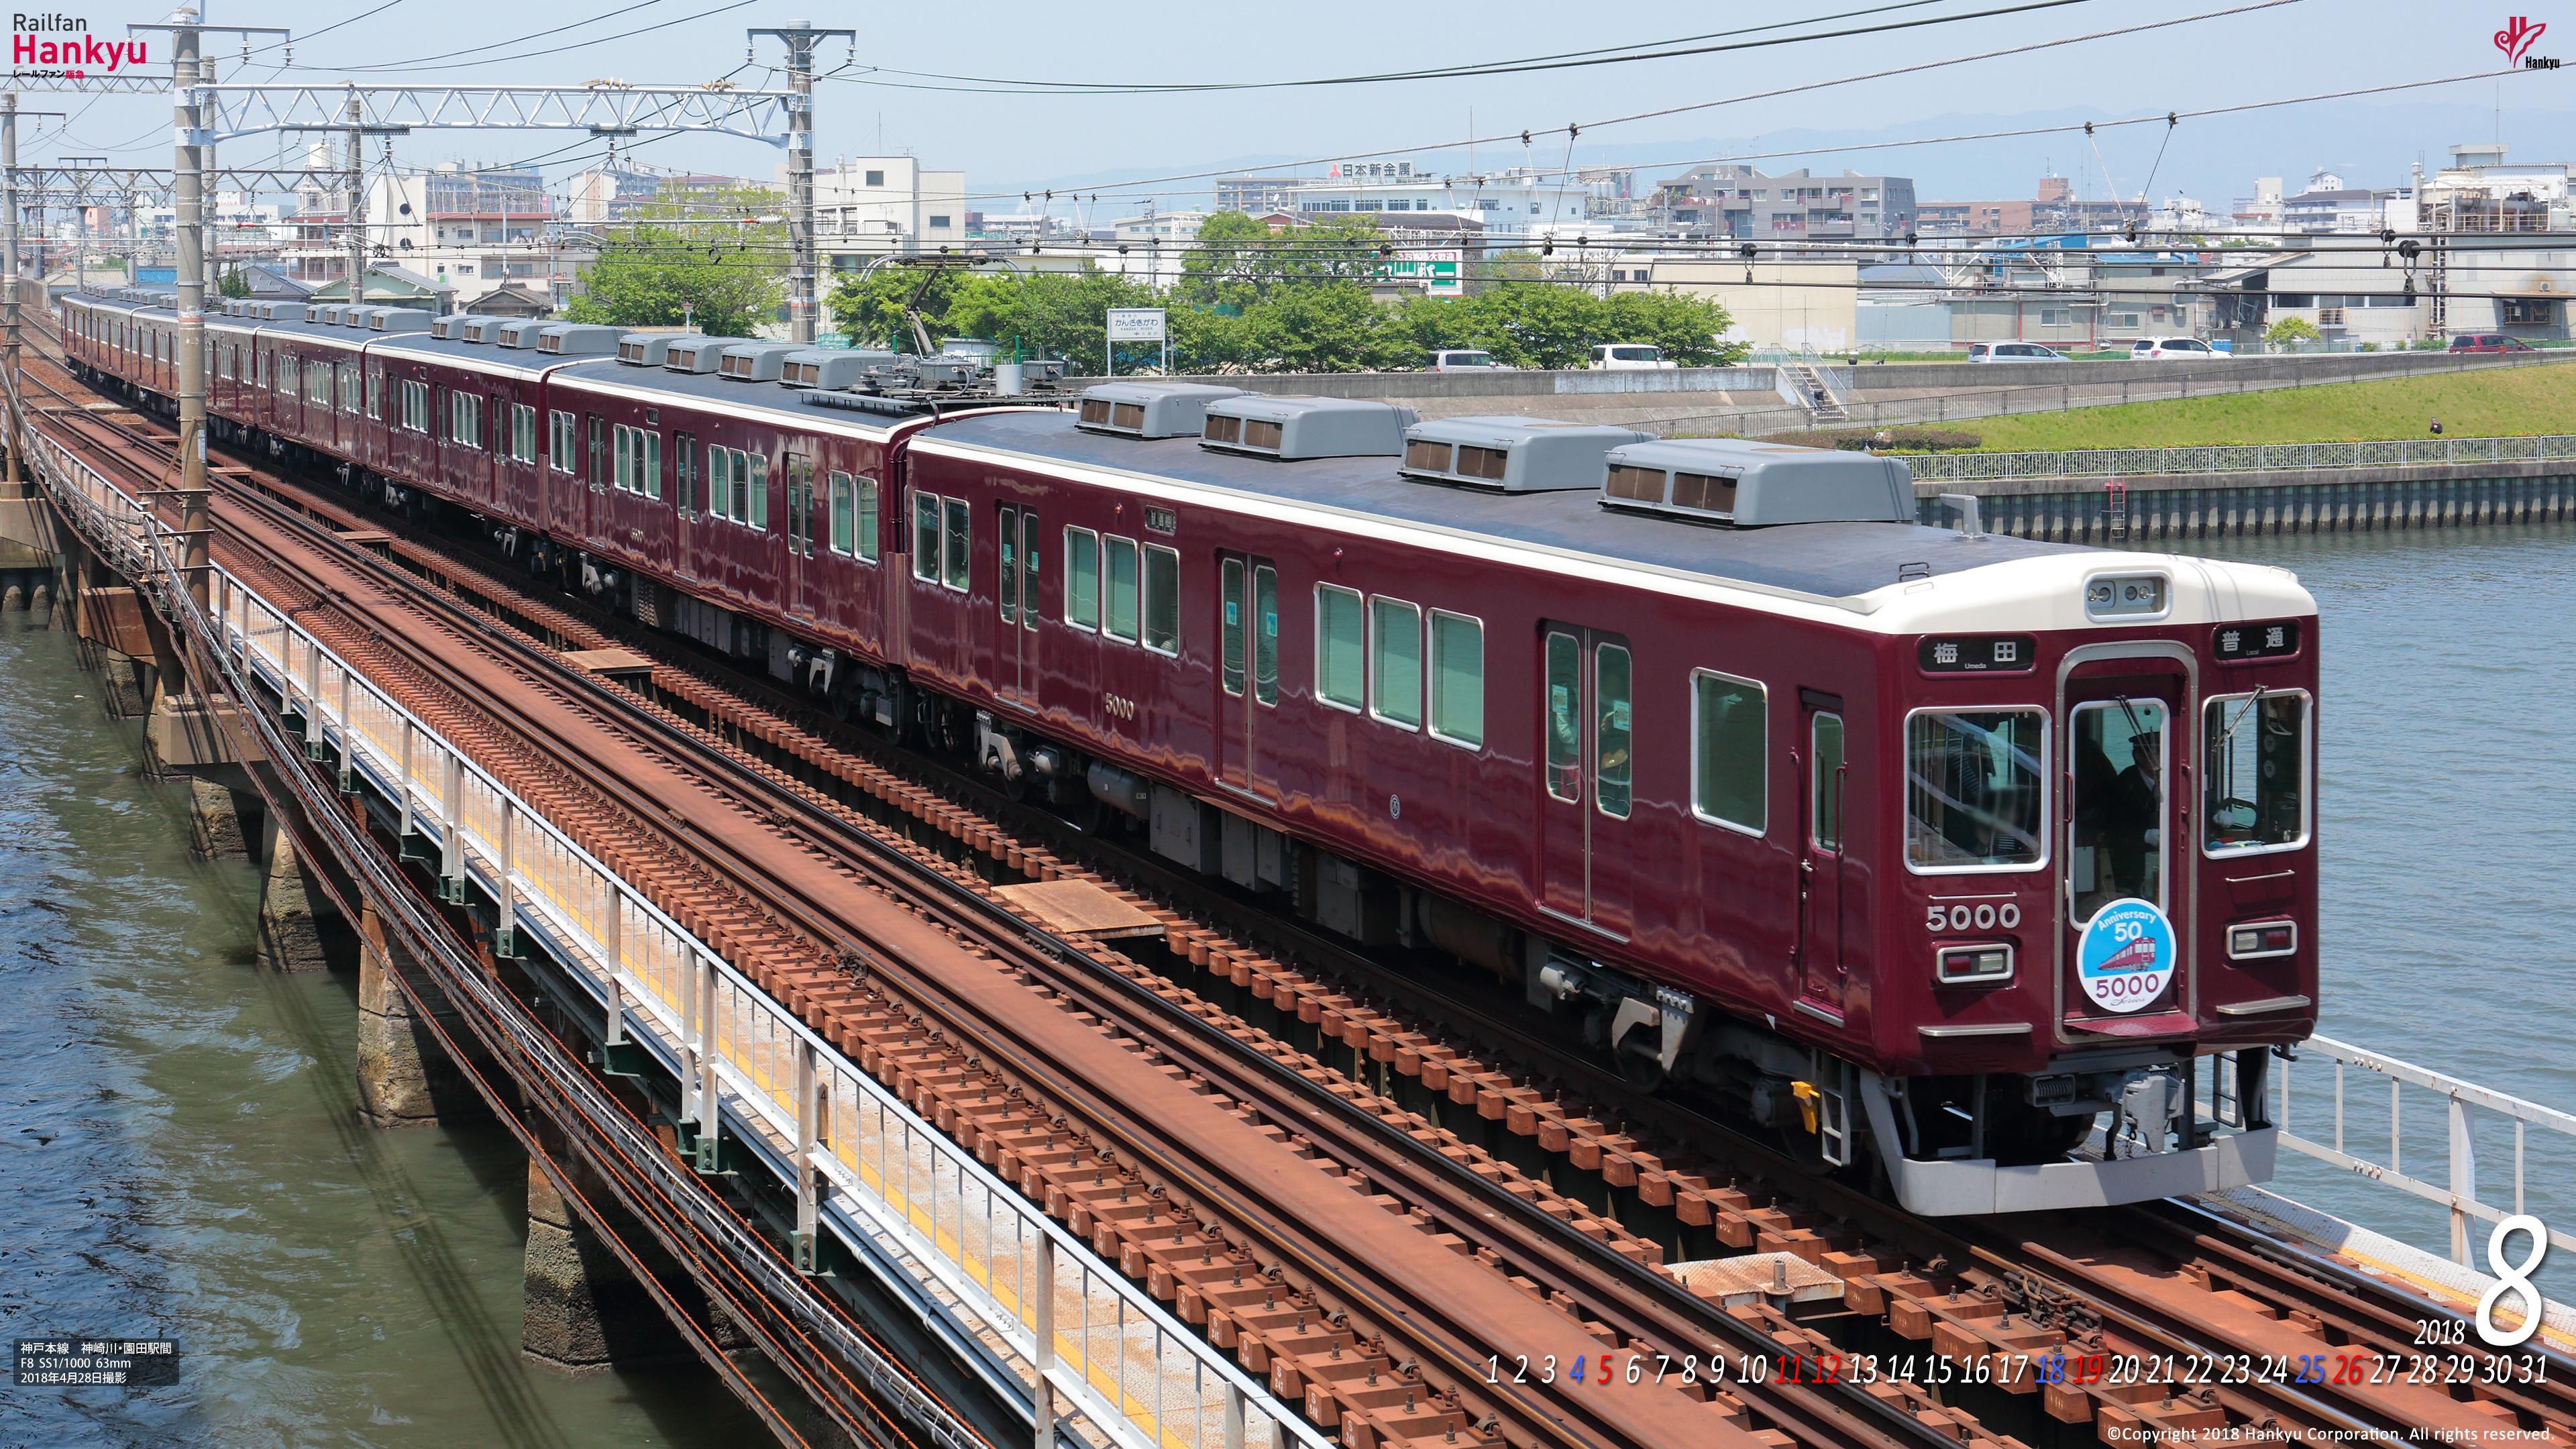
1630, 357
2147, 349
2489, 342
2013, 352
1461, 360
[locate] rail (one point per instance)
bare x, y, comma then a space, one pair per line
1101, 1343
2240, 458
2459, 1191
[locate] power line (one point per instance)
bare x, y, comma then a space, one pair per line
1569, 60
416, 65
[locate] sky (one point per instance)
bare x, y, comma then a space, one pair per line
883, 95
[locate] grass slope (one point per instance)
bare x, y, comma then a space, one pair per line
2502, 403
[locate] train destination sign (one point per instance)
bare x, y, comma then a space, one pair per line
2235, 642
1977, 654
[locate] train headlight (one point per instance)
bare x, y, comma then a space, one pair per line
2262, 939
1973, 965
2126, 596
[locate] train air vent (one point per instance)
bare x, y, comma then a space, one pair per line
1748, 485
445, 329
830, 369
358, 317
1511, 455
1306, 427
398, 319
328, 314
697, 354
653, 349
522, 333
574, 339
755, 361
481, 329
1150, 409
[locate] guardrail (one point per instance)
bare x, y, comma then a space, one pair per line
1141, 1378
2240, 458
2459, 1191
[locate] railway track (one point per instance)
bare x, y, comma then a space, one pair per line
2241, 1320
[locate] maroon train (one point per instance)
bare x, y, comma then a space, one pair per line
1983, 862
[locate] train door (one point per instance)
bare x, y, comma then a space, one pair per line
1823, 759
2126, 817
684, 503
1248, 673
1588, 784
1016, 612
800, 534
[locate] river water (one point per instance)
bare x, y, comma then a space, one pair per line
181, 1157
180, 1154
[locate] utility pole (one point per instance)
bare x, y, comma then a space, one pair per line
799, 36
9, 114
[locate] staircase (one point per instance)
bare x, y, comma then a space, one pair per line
1812, 393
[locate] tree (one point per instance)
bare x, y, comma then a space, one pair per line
713, 261
1049, 314
869, 307
1687, 328
1237, 262
2289, 332
232, 283
1326, 325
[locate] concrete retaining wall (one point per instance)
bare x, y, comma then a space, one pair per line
2150, 511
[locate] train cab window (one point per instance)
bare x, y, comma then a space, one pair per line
684, 462
1613, 745
1118, 588
1564, 727
1457, 679
1395, 662
1162, 590
2257, 773
959, 536
1825, 782
1976, 789
2117, 749
1081, 579
925, 537
1341, 647
1730, 751
562, 442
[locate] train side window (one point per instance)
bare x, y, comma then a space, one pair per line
652, 464
754, 468
1006, 575
1162, 599
960, 535
1081, 579
2256, 776
684, 457
719, 482
840, 525
925, 536
224, 362
625, 448
1118, 588
1265, 634
867, 519
1730, 751
1613, 745
523, 432
1230, 618
1341, 647
1825, 782
1395, 662
376, 393
1457, 679
1564, 725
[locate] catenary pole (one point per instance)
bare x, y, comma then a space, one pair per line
800, 36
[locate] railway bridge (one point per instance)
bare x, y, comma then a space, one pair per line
915, 1116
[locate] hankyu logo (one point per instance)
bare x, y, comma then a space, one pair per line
61, 45
2516, 40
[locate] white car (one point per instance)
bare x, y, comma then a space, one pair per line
1460, 360
1630, 357
2147, 349
2013, 352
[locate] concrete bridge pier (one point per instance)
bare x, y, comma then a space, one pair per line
404, 1076
583, 1311
295, 914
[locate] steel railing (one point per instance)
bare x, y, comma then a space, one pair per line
2293, 1087
2240, 458
1118, 1358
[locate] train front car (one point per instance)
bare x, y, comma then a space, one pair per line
2103, 918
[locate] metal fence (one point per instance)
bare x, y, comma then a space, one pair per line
2241, 458
1103, 1345
2303, 1101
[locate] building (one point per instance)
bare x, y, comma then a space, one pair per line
233, 218
2479, 192
2329, 207
614, 193
462, 232
1973, 218
1729, 199
1165, 228
868, 206
2053, 207
2352, 300
1503, 203
1803, 306
1257, 195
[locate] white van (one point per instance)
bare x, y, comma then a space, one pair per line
1630, 357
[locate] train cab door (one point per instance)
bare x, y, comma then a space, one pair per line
1247, 673
1016, 612
1822, 757
800, 534
2125, 784
1588, 783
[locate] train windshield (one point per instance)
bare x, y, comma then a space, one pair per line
1975, 789
2119, 807
2256, 775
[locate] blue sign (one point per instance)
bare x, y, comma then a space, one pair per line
2127, 957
